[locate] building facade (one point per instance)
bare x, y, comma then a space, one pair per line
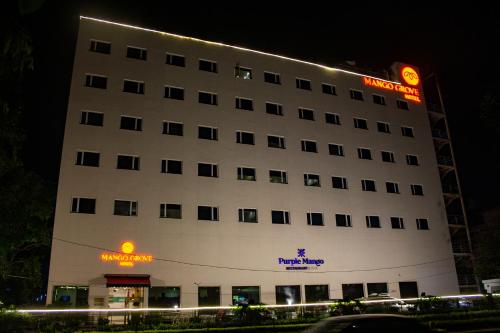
195, 173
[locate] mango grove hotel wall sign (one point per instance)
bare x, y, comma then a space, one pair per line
126, 257
300, 262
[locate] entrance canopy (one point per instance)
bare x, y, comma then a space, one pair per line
129, 280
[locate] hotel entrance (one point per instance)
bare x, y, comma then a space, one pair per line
126, 291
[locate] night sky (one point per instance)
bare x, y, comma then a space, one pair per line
457, 45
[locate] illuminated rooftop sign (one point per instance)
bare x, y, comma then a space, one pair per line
127, 257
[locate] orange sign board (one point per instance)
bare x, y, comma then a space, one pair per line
409, 93
410, 76
126, 257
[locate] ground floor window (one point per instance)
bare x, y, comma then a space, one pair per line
208, 296
121, 297
246, 295
72, 296
288, 295
352, 291
377, 288
317, 293
164, 297
408, 289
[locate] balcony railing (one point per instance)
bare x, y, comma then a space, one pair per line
445, 160
456, 219
449, 189
437, 133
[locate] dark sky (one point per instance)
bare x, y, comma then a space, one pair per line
457, 45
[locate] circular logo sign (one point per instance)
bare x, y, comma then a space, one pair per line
127, 247
410, 76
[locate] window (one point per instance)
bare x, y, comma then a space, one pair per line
352, 291
207, 98
247, 215
96, 81
246, 295
280, 217
288, 295
246, 174
397, 223
126, 162
392, 187
208, 66
368, 185
71, 296
364, 153
315, 219
174, 93
387, 156
422, 224
378, 99
131, 123
343, 220
208, 296
125, 208
275, 141
356, 94
170, 211
277, 176
411, 159
175, 60
311, 180
274, 108
272, 78
360, 123
137, 53
335, 149
87, 158
407, 131
245, 138
417, 189
377, 288
244, 104
332, 118
171, 166
309, 146
383, 127
83, 206
243, 73
339, 182
171, 128
207, 133
403, 105
92, 118
207, 213
328, 89
317, 293
135, 87
100, 46
372, 222
164, 297
303, 84
306, 114
408, 289
207, 170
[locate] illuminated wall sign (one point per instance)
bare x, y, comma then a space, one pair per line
408, 75
301, 262
126, 257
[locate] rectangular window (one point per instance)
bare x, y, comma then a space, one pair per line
164, 297
356, 95
275, 141
130, 123
317, 293
175, 60
208, 66
207, 98
208, 296
417, 189
360, 123
246, 174
303, 84
343, 220
352, 291
411, 159
272, 78
309, 146
174, 93
315, 219
306, 114
243, 73
372, 222
378, 99
244, 104
207, 133
403, 105
134, 87
335, 149
171, 166
277, 176
397, 223
87, 158
207, 213
100, 46
407, 131
274, 108
207, 170
339, 182
328, 89
311, 180
137, 53
288, 295
280, 217
96, 81
125, 208
83, 205
247, 215
245, 138
244, 295
170, 211
388, 156
171, 128
332, 118
422, 224
364, 153
383, 127
392, 187
92, 118
368, 185
377, 288
126, 162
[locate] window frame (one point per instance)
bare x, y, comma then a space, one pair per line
373, 224
347, 219
84, 118
344, 183
132, 211
213, 97
214, 170
240, 136
213, 65
304, 145
285, 215
365, 185
165, 166
241, 215
332, 92
172, 56
166, 129
143, 53
164, 211
283, 176
338, 147
80, 158
312, 176
299, 85
170, 95
275, 75
141, 87
309, 218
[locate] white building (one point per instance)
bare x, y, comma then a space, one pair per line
197, 173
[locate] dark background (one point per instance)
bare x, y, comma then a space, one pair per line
457, 45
